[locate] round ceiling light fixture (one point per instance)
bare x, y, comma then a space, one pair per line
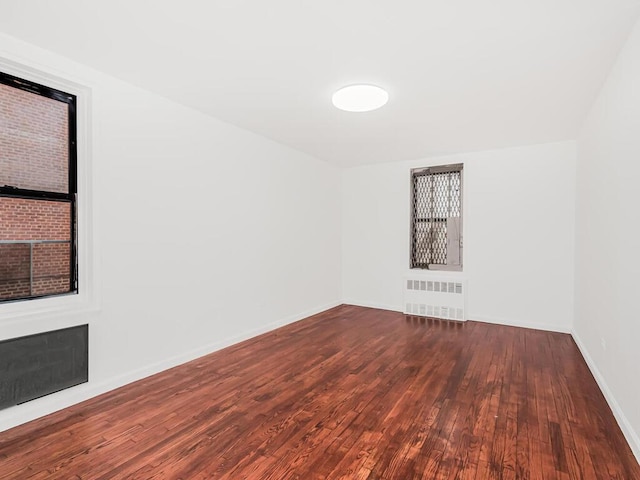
360, 98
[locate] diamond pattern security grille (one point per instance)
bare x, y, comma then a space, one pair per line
436, 197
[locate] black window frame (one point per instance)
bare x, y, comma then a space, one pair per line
71, 196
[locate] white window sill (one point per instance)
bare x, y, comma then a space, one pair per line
65, 309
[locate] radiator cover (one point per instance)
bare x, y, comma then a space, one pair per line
429, 296
44, 363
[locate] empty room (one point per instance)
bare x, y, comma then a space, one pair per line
305, 240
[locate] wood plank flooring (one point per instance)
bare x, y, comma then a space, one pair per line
352, 393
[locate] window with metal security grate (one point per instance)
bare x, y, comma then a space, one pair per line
436, 218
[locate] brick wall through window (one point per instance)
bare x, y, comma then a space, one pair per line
34, 134
36, 200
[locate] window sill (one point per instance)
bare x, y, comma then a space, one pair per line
439, 268
25, 312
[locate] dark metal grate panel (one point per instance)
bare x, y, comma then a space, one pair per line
436, 197
44, 363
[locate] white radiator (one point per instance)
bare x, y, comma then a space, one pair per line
437, 298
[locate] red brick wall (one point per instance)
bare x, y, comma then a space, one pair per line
22, 219
34, 150
51, 268
14, 270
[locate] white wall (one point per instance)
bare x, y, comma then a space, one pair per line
518, 234
607, 327
207, 234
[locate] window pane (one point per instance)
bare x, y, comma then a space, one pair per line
14, 271
438, 238
51, 268
35, 247
437, 200
34, 141
422, 244
25, 219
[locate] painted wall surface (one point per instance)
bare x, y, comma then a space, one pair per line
518, 234
607, 227
207, 234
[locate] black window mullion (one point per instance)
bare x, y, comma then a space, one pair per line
73, 264
7, 191
73, 174
413, 221
73, 192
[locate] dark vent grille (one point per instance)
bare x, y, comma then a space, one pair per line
37, 365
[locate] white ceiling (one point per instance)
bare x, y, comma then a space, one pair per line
462, 74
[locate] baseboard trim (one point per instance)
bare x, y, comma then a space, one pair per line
20, 414
548, 327
380, 306
477, 318
627, 430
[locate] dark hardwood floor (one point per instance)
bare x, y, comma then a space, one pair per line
352, 393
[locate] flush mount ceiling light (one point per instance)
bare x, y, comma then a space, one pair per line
360, 98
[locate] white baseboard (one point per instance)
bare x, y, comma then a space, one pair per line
549, 327
629, 433
26, 412
381, 306
478, 318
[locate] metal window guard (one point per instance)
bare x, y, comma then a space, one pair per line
31, 243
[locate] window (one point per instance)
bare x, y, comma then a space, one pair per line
38, 190
436, 218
